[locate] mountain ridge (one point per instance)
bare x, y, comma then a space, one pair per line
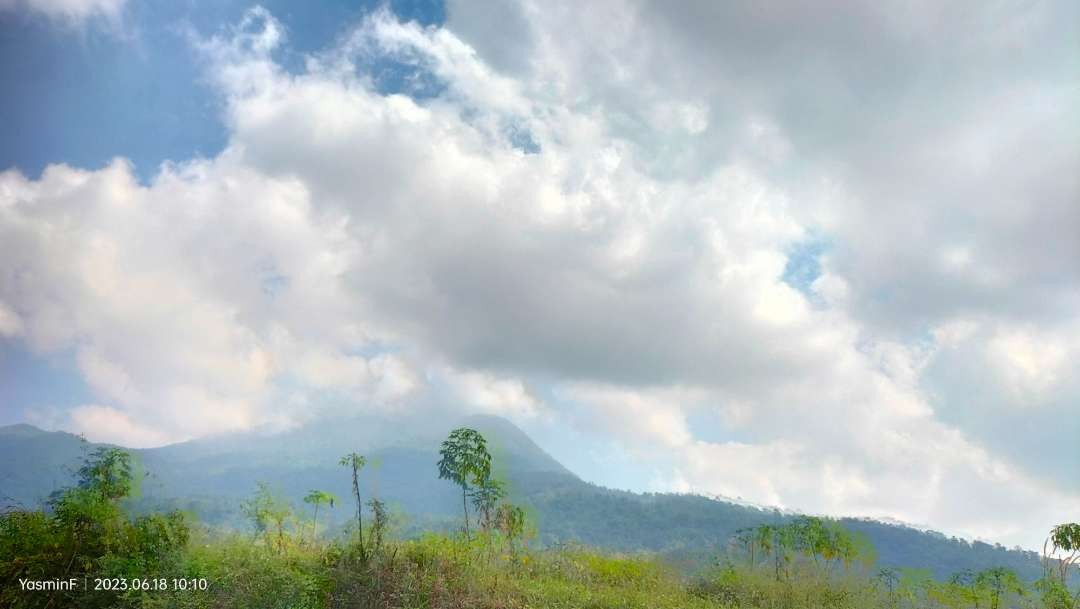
211, 477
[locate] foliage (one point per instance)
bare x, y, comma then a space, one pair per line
379, 525
271, 516
824, 542
485, 499
791, 563
465, 461
317, 498
1065, 539
355, 462
87, 535
211, 484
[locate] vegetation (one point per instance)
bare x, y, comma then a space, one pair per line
85, 533
465, 461
213, 481
167, 560
317, 498
355, 462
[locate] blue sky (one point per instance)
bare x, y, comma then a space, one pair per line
773, 257
142, 82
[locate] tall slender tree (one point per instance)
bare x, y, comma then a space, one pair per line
999, 583
465, 461
355, 462
317, 498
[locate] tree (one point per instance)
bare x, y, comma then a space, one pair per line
889, 579
999, 583
380, 521
356, 462
465, 461
510, 520
485, 498
746, 539
1064, 539
268, 513
86, 534
107, 473
317, 498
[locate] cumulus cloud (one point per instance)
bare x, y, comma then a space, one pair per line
605, 204
107, 424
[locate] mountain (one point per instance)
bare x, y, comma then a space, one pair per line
212, 476
34, 463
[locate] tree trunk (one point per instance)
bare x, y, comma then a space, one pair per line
465, 506
359, 512
315, 524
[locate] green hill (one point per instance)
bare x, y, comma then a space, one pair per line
212, 476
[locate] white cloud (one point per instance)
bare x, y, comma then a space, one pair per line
108, 425
1031, 363
642, 420
484, 392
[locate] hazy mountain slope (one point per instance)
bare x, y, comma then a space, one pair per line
401, 465
212, 476
33, 463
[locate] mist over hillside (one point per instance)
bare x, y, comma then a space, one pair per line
211, 477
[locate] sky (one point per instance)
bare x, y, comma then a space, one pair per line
824, 260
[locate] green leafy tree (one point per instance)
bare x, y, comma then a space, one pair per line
1065, 544
107, 473
485, 498
889, 579
510, 521
966, 588
1054, 594
355, 462
379, 523
999, 584
317, 498
916, 587
86, 533
465, 461
268, 513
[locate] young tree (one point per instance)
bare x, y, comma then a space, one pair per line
510, 520
317, 498
107, 473
86, 533
355, 462
999, 583
380, 521
465, 461
268, 513
485, 498
967, 587
1064, 540
889, 579
745, 540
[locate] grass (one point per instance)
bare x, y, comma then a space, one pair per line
441, 572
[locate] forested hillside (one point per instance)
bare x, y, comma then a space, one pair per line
86, 548
211, 479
